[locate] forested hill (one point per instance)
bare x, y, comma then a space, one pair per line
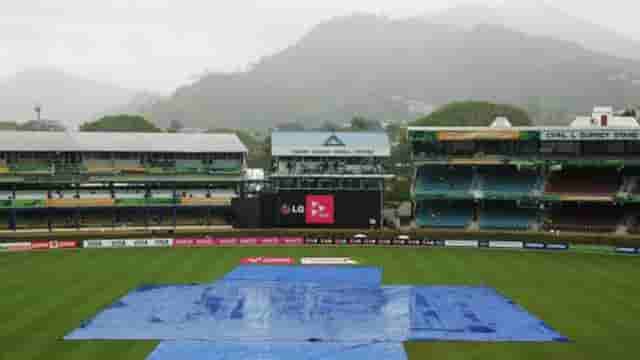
474, 113
380, 68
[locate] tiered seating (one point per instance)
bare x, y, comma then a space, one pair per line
94, 167
444, 214
226, 166
189, 166
592, 182
443, 179
584, 218
508, 180
506, 217
130, 166
31, 167
4, 169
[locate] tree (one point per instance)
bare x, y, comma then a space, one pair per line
329, 126
473, 113
8, 125
360, 123
121, 123
258, 154
175, 125
42, 125
292, 126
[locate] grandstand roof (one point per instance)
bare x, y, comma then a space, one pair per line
42, 141
329, 144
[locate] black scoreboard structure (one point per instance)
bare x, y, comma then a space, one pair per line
320, 179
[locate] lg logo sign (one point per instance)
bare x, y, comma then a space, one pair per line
287, 209
318, 209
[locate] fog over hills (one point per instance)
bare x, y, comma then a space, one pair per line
536, 18
375, 66
63, 97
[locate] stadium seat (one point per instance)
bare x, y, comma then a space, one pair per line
507, 180
443, 179
506, 217
443, 214
584, 218
588, 182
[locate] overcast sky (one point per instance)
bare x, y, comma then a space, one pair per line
160, 44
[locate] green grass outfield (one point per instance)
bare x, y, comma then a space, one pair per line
594, 299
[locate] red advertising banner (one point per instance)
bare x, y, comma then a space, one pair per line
67, 244
40, 245
205, 242
183, 242
248, 241
269, 241
25, 246
291, 240
227, 241
319, 209
259, 260
251, 260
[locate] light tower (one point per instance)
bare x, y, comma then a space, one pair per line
38, 110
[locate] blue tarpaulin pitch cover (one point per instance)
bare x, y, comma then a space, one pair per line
317, 274
172, 350
276, 310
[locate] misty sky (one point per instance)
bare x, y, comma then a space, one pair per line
160, 44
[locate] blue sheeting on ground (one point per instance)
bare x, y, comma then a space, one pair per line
463, 313
290, 312
249, 311
243, 310
320, 274
171, 350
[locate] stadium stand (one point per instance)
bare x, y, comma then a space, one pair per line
444, 214
584, 218
508, 180
92, 179
443, 179
590, 182
581, 177
506, 216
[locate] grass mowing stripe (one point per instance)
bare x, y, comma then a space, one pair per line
34, 329
569, 291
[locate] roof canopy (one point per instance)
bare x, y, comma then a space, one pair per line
330, 144
43, 141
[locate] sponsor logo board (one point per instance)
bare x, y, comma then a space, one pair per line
40, 245
269, 241
67, 244
227, 241
183, 242
259, 260
248, 241
506, 244
293, 240
534, 245
319, 209
15, 246
626, 250
326, 241
327, 261
92, 244
558, 246
461, 243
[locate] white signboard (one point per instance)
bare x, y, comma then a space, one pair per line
589, 135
